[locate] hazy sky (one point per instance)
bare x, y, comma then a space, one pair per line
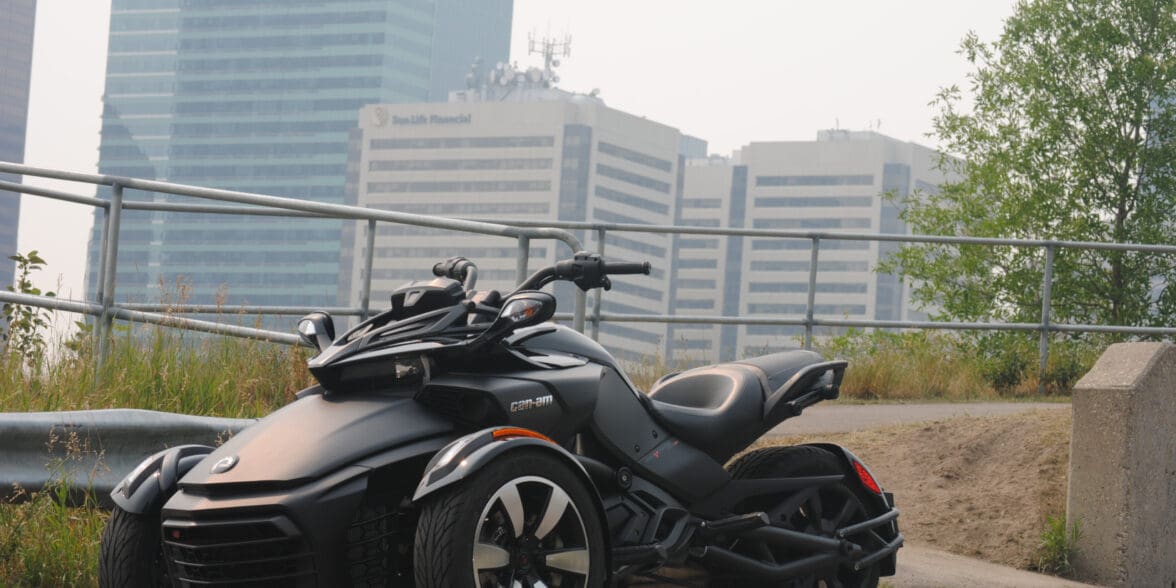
729, 72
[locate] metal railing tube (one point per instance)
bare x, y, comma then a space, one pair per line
322, 208
812, 294
830, 236
228, 310
600, 236
523, 259
368, 257
110, 267
1046, 294
54, 194
92, 309
102, 250
581, 310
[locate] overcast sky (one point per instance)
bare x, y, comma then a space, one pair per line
729, 72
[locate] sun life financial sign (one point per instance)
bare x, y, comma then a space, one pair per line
432, 119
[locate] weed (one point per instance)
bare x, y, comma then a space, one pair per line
22, 335
1056, 552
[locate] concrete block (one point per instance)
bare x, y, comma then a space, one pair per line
1123, 467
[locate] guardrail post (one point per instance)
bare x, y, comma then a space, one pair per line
102, 251
812, 295
600, 234
1046, 293
109, 268
366, 297
523, 259
581, 310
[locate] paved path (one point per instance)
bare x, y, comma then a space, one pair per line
921, 567
830, 417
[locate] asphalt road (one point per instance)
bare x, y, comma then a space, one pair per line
830, 417
920, 567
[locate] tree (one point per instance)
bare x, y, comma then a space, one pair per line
1071, 136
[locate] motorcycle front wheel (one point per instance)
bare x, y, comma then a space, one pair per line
131, 553
524, 519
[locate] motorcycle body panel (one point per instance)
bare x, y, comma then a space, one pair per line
314, 436
554, 402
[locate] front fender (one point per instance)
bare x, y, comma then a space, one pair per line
466, 455
154, 479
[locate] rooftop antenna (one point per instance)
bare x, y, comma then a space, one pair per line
551, 48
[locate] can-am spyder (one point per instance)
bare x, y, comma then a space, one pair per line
460, 439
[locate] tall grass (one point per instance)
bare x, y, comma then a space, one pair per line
44, 542
158, 368
950, 366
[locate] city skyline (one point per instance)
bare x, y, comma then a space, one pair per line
921, 44
261, 97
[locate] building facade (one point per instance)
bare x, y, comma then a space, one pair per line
16, 58
261, 96
535, 155
833, 184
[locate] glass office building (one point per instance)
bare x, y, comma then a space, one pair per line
260, 96
16, 57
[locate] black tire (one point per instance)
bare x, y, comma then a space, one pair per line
132, 551
820, 511
476, 511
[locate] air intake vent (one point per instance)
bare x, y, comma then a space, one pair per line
253, 552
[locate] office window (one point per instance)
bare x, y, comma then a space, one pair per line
634, 156
815, 180
814, 201
632, 178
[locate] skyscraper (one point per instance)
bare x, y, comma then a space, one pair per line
832, 184
534, 154
260, 96
16, 59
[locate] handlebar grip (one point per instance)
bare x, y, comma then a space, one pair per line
628, 268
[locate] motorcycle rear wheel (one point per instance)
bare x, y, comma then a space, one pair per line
819, 512
522, 520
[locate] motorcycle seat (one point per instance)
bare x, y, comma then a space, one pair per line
719, 409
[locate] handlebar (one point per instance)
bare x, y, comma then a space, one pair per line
586, 270
624, 267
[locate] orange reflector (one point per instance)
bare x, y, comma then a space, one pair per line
518, 432
867, 479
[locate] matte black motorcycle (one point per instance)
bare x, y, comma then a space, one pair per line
460, 439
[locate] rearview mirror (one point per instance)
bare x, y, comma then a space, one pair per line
317, 330
523, 309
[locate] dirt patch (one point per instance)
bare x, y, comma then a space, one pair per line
977, 486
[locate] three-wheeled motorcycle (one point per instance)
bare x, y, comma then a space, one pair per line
461, 439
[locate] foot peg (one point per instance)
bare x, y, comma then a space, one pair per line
735, 524
639, 554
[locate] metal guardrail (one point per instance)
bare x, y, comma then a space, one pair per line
91, 450
269, 205
523, 232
